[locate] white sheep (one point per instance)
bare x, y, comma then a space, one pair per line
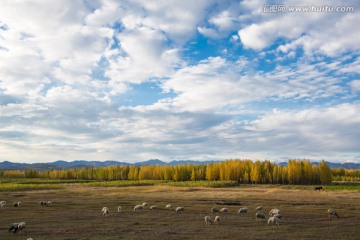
17, 227
274, 211
224, 210
273, 220
2, 204
154, 207
332, 213
168, 206
214, 210
105, 211
243, 210
260, 216
179, 209
144, 204
217, 220
208, 220
258, 208
45, 203
138, 207
119, 209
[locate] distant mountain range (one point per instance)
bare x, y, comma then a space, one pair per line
60, 164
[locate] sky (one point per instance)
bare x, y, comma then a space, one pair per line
132, 80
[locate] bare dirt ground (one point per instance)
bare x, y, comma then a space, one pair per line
76, 213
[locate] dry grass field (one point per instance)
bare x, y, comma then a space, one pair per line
76, 213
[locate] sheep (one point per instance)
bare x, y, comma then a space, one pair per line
332, 213
318, 188
168, 206
258, 208
17, 204
214, 210
2, 204
279, 216
154, 207
105, 211
119, 209
260, 216
208, 220
138, 207
144, 204
224, 210
179, 209
217, 220
17, 227
273, 220
274, 211
243, 210
45, 203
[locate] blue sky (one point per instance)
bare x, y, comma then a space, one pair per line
201, 80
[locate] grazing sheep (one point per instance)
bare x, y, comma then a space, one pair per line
144, 204
274, 212
168, 206
119, 209
138, 207
154, 207
279, 216
179, 209
258, 208
2, 204
17, 204
17, 227
105, 211
214, 210
273, 220
332, 213
243, 210
223, 210
45, 203
217, 220
208, 220
260, 216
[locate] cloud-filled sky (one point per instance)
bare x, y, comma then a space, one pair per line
133, 80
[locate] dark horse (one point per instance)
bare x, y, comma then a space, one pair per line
318, 188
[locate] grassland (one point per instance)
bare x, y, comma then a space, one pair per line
76, 210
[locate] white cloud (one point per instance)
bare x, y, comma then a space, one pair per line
310, 131
216, 83
327, 33
355, 86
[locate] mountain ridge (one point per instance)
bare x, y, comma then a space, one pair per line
62, 164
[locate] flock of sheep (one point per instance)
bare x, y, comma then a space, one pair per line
19, 227
274, 215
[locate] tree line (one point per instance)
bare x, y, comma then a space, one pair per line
241, 171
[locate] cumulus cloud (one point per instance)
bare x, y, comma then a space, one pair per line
63, 81
329, 33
